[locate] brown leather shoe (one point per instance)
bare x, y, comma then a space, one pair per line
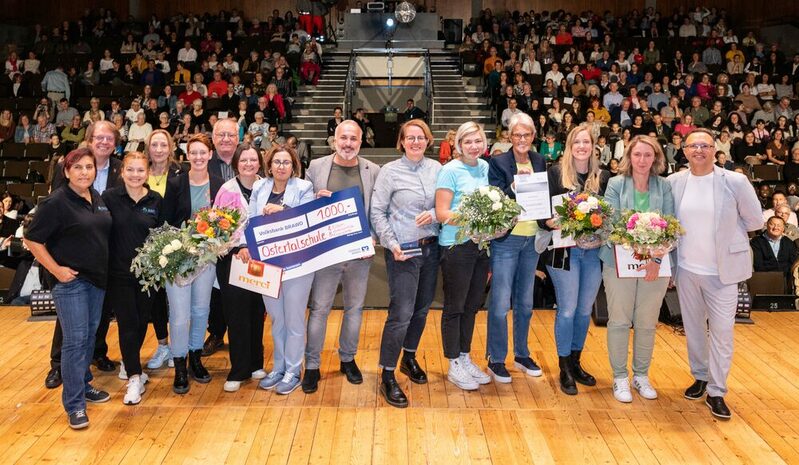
212, 344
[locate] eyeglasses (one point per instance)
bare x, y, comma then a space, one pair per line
282, 162
699, 147
227, 135
415, 139
526, 135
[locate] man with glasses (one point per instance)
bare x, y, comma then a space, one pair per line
102, 137
226, 138
341, 170
711, 203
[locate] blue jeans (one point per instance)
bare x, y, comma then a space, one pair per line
513, 264
188, 312
575, 290
412, 287
354, 278
288, 323
79, 305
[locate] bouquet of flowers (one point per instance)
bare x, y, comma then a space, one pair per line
168, 254
215, 230
647, 233
485, 214
586, 218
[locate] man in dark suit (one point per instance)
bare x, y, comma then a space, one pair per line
772, 250
102, 137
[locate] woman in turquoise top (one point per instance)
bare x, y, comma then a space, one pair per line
635, 301
464, 267
550, 148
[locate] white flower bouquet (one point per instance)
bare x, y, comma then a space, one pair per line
169, 254
485, 214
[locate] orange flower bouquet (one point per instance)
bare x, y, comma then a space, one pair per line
586, 218
216, 230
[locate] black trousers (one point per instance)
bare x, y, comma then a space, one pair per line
464, 269
159, 314
100, 346
132, 308
244, 312
217, 325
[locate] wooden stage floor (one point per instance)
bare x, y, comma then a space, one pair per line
528, 421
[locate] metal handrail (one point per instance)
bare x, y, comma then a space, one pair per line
429, 87
349, 85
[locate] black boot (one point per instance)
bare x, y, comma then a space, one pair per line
580, 375
196, 368
181, 384
566, 376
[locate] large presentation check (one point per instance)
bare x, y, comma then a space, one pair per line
315, 235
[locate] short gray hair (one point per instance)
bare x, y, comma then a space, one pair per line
521, 119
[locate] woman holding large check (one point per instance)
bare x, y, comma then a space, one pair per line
281, 189
635, 301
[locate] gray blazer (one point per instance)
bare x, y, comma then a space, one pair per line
319, 171
737, 211
620, 194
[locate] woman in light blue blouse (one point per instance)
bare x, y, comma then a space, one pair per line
403, 216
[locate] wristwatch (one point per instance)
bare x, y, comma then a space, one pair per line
657, 260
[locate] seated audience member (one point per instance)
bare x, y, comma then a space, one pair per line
773, 251
784, 211
778, 198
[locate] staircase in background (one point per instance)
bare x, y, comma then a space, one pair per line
455, 101
314, 106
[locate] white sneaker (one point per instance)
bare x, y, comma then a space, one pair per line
479, 375
135, 390
460, 377
621, 390
232, 386
644, 387
258, 374
161, 355
122, 373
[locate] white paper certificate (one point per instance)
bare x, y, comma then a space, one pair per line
558, 241
532, 193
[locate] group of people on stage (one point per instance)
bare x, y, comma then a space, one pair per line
101, 209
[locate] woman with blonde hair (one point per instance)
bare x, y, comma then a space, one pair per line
159, 148
575, 271
635, 302
464, 266
446, 148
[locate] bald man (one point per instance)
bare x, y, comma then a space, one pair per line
341, 170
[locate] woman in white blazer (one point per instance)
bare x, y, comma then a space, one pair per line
279, 190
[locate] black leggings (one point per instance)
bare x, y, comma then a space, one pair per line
160, 314
132, 308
